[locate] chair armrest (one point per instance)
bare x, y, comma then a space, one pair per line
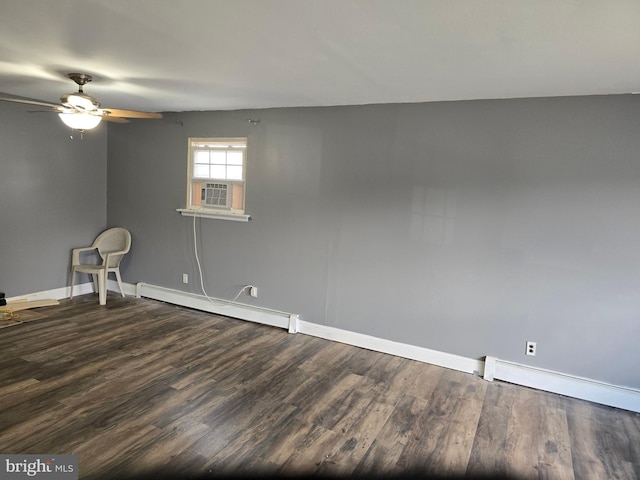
75, 254
108, 254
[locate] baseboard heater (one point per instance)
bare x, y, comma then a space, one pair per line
491, 368
218, 306
574, 386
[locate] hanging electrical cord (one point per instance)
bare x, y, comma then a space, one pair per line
223, 303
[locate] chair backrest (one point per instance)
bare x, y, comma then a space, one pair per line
115, 239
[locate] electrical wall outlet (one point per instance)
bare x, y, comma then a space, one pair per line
531, 349
253, 291
185, 278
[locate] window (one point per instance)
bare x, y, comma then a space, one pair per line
217, 174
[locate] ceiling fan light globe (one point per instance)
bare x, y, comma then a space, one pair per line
80, 121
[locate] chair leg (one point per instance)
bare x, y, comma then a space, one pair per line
102, 287
119, 279
73, 281
96, 282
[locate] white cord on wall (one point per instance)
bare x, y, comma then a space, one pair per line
223, 303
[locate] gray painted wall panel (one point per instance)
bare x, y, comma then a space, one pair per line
466, 227
52, 198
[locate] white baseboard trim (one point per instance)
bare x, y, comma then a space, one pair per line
129, 288
626, 398
293, 323
491, 368
57, 293
382, 345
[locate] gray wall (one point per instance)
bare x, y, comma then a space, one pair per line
53, 197
466, 227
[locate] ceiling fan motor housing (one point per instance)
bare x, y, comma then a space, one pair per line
80, 100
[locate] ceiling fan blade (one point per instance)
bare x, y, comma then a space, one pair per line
30, 102
116, 112
110, 118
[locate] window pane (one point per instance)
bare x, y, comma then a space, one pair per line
202, 157
201, 171
234, 158
219, 157
218, 171
234, 172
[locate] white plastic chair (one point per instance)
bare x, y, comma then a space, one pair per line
112, 244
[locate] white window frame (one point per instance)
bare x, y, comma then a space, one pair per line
237, 187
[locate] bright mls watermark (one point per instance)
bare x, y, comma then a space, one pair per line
46, 467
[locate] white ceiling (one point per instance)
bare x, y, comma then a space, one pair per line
178, 55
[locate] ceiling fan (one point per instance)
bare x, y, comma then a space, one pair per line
81, 111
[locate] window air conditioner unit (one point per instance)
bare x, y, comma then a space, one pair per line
216, 195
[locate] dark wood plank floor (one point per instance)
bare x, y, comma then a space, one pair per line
138, 388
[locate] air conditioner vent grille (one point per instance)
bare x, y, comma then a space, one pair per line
216, 195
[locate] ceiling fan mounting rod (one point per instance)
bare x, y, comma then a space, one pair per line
80, 78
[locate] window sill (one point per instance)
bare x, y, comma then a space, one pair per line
216, 215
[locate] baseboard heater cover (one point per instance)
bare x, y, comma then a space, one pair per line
626, 398
293, 323
490, 368
241, 311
